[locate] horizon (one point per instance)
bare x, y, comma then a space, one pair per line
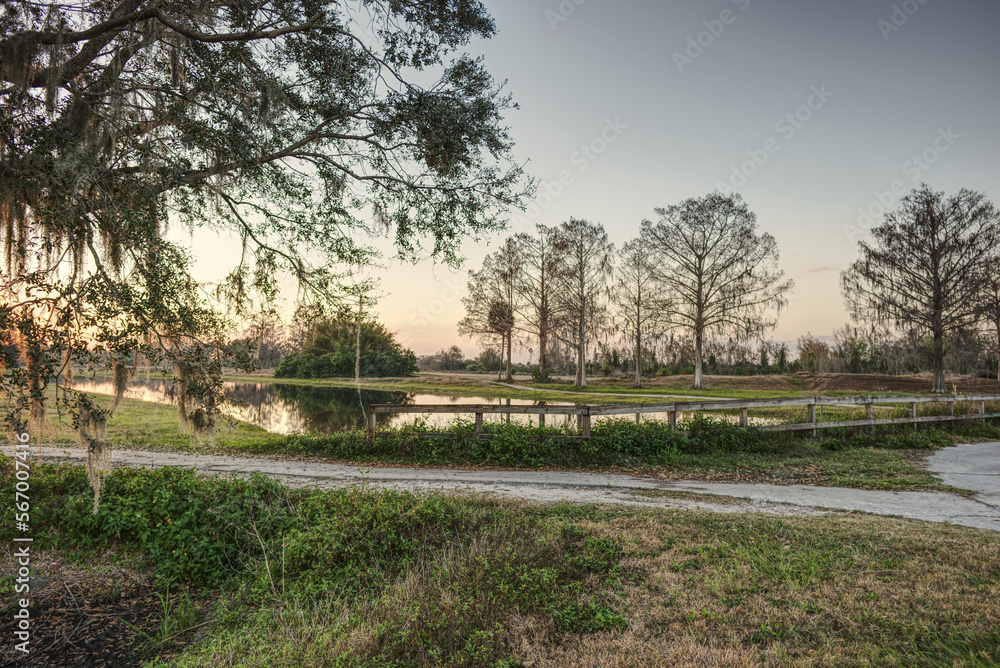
820, 116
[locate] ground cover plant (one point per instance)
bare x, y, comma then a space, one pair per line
358, 577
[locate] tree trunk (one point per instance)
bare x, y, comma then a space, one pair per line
638, 366
581, 356
699, 383
510, 344
503, 341
638, 358
357, 347
543, 341
939, 386
998, 349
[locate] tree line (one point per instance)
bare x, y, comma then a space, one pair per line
924, 292
701, 269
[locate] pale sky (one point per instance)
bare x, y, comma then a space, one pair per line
811, 109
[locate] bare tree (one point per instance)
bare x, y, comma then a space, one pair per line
723, 276
585, 262
538, 309
492, 301
925, 268
640, 300
989, 301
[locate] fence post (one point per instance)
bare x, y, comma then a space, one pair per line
812, 415
371, 422
869, 411
637, 418
913, 413
541, 416
673, 420
744, 417
951, 408
479, 424
585, 422
982, 410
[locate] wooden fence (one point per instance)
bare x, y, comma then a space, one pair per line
585, 412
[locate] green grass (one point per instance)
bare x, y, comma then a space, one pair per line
145, 425
356, 577
886, 458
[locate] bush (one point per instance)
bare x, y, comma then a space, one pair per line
378, 364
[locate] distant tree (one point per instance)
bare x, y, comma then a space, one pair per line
450, 359
722, 275
266, 336
814, 355
989, 301
491, 303
925, 268
489, 360
585, 265
641, 304
537, 306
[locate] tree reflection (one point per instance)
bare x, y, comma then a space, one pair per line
325, 410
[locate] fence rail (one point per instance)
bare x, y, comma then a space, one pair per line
585, 412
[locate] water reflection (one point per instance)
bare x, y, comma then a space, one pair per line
287, 409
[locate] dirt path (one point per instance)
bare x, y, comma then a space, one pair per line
572, 487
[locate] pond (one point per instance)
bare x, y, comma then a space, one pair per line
286, 409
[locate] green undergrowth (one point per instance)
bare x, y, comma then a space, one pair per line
358, 577
877, 458
420, 576
613, 443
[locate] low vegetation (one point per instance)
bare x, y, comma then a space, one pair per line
363, 578
704, 448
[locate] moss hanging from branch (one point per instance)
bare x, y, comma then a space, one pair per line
92, 423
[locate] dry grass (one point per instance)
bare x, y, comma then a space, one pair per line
697, 589
798, 592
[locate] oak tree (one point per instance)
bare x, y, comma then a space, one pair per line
301, 127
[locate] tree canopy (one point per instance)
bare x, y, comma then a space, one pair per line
304, 128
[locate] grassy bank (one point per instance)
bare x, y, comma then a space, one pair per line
359, 578
706, 449
145, 425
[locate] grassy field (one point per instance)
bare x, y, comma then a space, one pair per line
263, 576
